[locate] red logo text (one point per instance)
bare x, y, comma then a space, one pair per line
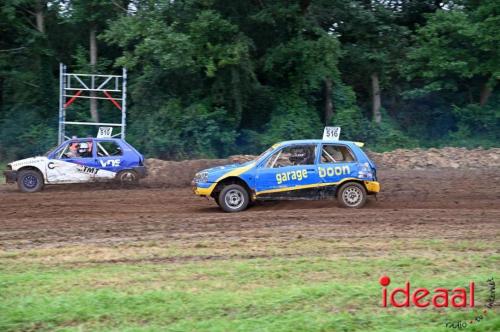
459, 297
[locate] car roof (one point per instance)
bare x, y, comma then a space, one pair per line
95, 138
313, 141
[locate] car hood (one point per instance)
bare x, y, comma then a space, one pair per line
221, 168
215, 173
33, 161
227, 167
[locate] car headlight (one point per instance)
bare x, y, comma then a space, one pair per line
201, 177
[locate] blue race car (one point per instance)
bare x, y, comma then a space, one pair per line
302, 169
79, 160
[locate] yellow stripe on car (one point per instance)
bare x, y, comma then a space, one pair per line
371, 186
235, 172
305, 186
204, 191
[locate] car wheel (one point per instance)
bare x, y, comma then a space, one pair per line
30, 181
127, 177
352, 195
233, 198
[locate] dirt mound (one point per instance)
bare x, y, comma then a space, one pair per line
180, 173
438, 158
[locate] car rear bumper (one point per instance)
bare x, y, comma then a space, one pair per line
141, 171
10, 176
372, 186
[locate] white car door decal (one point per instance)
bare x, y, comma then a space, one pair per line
59, 171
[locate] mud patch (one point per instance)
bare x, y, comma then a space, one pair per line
441, 204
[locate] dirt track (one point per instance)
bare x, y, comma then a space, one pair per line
461, 204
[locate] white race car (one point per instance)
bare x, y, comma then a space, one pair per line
79, 160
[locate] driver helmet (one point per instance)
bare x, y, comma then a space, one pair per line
83, 147
299, 156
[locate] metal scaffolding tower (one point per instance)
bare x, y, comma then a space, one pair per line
73, 86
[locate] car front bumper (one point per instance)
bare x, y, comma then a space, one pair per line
10, 176
203, 189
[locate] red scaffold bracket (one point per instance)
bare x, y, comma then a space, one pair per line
69, 102
112, 100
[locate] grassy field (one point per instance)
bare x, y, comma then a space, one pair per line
304, 286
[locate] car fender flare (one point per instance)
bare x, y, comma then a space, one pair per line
33, 168
233, 174
232, 180
372, 187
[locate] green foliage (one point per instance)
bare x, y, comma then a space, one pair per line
457, 47
348, 115
24, 133
292, 119
177, 132
476, 125
387, 136
478, 119
91, 12
303, 63
211, 77
354, 125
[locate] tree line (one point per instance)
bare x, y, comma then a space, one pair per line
208, 78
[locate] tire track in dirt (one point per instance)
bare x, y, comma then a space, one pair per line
444, 203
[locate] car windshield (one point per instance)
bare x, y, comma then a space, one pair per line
52, 149
266, 152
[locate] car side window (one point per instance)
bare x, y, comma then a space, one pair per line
60, 151
81, 149
332, 153
108, 149
293, 156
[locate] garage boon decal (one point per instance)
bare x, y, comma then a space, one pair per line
332, 171
291, 175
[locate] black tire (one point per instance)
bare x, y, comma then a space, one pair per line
127, 177
352, 195
30, 181
233, 198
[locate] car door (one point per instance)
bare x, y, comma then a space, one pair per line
337, 163
73, 162
109, 159
289, 173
